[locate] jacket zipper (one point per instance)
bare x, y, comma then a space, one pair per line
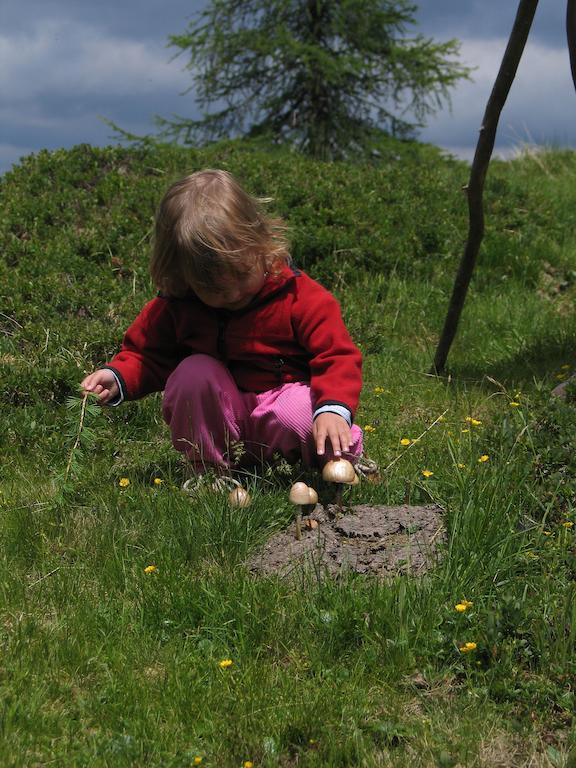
279, 369
220, 341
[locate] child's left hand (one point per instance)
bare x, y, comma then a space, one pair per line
330, 426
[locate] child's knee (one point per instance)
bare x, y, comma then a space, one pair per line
290, 412
196, 373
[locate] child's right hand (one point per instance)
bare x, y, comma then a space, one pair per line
103, 384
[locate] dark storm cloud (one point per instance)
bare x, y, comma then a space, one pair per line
445, 19
130, 18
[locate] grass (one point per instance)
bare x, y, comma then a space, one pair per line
103, 664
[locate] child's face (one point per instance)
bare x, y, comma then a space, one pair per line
234, 291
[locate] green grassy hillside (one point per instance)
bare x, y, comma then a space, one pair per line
103, 664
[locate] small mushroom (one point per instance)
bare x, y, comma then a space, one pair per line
239, 498
312, 498
341, 472
300, 496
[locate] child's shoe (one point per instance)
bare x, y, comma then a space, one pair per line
208, 481
562, 390
367, 469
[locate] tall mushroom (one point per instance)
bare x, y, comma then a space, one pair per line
339, 471
300, 496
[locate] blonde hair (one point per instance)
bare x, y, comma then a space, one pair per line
207, 226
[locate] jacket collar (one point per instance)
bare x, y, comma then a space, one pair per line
274, 284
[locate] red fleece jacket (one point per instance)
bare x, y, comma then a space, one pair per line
291, 331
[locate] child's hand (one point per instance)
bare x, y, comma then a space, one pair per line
330, 426
103, 384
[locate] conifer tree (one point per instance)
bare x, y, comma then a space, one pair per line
321, 74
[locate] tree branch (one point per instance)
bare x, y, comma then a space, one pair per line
475, 187
571, 36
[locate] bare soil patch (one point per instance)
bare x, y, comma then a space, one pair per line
377, 540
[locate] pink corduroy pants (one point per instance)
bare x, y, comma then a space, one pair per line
209, 417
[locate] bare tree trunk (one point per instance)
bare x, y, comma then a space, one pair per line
571, 35
475, 187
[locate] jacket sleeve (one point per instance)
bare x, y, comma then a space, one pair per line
335, 361
148, 354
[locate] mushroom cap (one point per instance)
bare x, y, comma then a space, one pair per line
338, 471
312, 496
299, 494
239, 498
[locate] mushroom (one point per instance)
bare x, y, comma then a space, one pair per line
339, 471
239, 498
300, 496
312, 498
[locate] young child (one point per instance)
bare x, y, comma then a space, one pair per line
247, 349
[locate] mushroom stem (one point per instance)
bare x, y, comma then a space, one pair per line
338, 499
339, 471
298, 523
299, 496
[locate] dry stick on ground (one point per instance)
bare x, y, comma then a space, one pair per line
475, 187
416, 440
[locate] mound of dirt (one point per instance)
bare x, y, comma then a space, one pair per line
377, 540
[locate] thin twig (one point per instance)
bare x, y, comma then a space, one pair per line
416, 440
77, 442
46, 575
11, 319
571, 36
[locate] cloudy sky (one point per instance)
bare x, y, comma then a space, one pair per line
65, 64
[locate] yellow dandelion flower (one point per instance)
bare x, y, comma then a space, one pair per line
247, 764
514, 404
150, 568
568, 524
465, 430
483, 458
225, 663
158, 481
461, 466
197, 760
379, 390
460, 607
369, 428
467, 647
547, 533
427, 473
123, 482
474, 422
405, 441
